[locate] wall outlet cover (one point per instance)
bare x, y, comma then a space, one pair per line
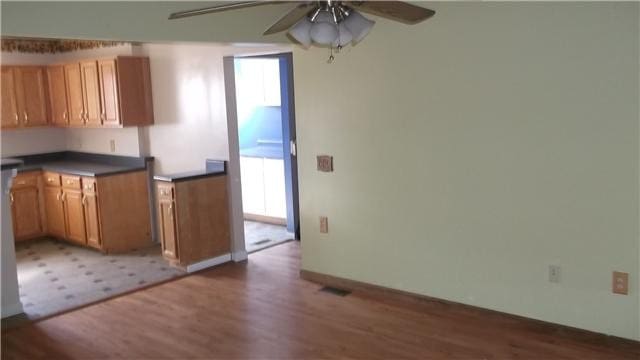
620, 283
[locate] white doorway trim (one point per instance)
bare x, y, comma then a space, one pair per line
239, 252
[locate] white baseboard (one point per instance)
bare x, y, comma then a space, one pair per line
13, 309
209, 263
240, 256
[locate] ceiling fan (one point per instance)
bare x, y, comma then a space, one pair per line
333, 24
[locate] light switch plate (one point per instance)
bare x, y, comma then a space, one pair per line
620, 283
324, 224
325, 163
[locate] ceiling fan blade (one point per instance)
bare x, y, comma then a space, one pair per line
290, 18
220, 8
394, 10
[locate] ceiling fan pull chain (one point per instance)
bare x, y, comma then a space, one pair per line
331, 58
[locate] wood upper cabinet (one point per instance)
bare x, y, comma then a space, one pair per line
9, 103
75, 101
31, 95
134, 90
26, 206
91, 93
91, 212
109, 92
24, 96
114, 92
57, 95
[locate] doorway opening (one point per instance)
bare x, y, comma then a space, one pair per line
266, 139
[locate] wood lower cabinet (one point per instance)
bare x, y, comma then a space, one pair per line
54, 208
193, 219
168, 234
109, 213
74, 216
91, 212
26, 209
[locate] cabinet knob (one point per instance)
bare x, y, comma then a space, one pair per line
11, 197
17, 118
26, 118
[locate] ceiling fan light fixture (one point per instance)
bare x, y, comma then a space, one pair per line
324, 33
301, 32
358, 25
344, 36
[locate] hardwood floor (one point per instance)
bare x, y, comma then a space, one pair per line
262, 309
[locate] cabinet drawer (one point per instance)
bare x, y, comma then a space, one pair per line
25, 181
165, 191
51, 179
71, 182
88, 185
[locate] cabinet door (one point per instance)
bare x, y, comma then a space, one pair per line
31, 95
91, 219
275, 198
168, 229
109, 93
74, 216
91, 92
25, 206
73, 83
54, 208
252, 176
9, 104
57, 95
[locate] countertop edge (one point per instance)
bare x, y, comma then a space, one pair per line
170, 178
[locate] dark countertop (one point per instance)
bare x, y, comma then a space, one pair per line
10, 163
188, 175
213, 168
269, 152
80, 168
81, 164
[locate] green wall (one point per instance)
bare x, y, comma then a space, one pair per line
473, 151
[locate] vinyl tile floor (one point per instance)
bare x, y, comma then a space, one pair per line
54, 276
258, 236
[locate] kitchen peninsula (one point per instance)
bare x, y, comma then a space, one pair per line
94, 200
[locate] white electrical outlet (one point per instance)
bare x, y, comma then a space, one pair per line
554, 273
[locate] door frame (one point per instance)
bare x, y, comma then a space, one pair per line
289, 143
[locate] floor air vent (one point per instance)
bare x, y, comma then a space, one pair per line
335, 291
261, 242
